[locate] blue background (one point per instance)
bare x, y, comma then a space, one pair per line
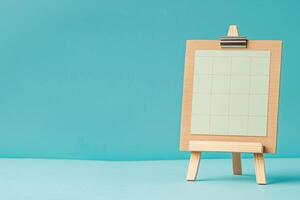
103, 79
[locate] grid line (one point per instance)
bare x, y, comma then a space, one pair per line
229, 95
210, 95
249, 89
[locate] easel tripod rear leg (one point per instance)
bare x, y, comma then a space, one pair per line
237, 163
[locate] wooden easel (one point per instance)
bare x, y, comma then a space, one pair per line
196, 147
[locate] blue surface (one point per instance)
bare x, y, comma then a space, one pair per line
103, 79
81, 180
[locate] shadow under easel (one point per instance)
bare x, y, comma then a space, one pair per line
271, 179
243, 178
284, 178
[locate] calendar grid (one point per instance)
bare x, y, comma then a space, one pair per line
230, 93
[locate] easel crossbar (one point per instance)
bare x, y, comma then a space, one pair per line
216, 146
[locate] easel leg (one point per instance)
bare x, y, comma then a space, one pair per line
259, 164
193, 166
237, 163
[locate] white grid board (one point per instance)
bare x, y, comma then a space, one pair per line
230, 93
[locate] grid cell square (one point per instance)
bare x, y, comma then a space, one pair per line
202, 84
220, 84
258, 105
240, 66
259, 85
257, 126
203, 65
219, 125
201, 104
260, 66
238, 125
238, 104
222, 65
219, 104
200, 124
240, 84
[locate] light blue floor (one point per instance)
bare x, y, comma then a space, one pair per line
34, 179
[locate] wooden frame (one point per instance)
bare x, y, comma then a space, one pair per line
269, 142
235, 144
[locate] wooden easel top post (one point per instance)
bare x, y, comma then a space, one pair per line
233, 31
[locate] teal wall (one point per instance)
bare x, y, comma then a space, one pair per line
103, 79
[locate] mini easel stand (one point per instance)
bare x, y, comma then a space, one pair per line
196, 147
